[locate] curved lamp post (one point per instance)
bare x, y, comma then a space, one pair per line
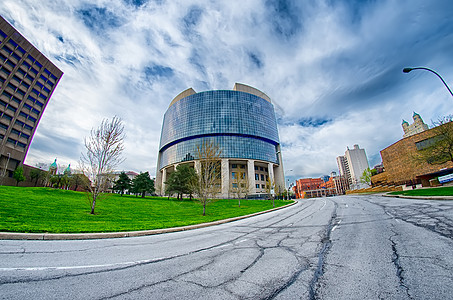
407, 70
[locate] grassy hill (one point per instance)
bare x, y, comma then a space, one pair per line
59, 211
439, 191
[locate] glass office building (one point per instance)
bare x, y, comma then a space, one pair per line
240, 121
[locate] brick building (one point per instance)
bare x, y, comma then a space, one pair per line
400, 164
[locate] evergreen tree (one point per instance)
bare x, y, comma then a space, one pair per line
19, 175
142, 184
123, 183
36, 174
179, 182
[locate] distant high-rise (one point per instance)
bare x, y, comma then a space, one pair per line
27, 81
414, 128
352, 165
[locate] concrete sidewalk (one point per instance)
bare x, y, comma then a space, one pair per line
109, 235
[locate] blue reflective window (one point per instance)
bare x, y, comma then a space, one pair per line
10, 63
20, 123
7, 117
26, 64
21, 50
17, 57
7, 49
13, 43
5, 71
242, 124
25, 84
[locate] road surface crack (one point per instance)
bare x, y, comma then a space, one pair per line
397, 263
326, 244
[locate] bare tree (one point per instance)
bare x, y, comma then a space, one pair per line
104, 149
240, 186
207, 182
270, 185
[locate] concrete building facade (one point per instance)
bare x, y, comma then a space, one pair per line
27, 81
241, 122
352, 165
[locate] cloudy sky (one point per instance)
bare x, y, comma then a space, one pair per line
333, 69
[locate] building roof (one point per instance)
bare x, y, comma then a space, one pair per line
53, 165
240, 87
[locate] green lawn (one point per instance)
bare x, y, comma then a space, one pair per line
440, 191
59, 211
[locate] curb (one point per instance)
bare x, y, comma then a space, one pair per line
110, 235
420, 197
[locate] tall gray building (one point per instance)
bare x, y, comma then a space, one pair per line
352, 165
27, 81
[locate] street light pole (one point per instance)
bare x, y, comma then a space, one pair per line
407, 70
287, 192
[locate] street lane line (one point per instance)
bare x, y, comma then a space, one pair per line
132, 263
337, 225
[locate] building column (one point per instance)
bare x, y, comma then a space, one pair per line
279, 176
225, 172
270, 168
251, 176
197, 167
164, 178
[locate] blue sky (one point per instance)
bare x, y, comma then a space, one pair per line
332, 68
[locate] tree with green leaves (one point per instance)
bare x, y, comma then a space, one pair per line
366, 176
19, 175
77, 180
438, 149
142, 184
179, 182
123, 183
37, 174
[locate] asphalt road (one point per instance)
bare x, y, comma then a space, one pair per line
349, 247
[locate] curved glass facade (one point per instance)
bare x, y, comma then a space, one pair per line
242, 124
